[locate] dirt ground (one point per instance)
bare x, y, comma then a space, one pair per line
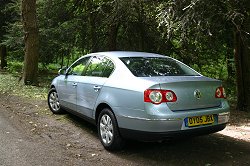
69, 140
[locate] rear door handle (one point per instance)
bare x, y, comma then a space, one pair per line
97, 88
74, 84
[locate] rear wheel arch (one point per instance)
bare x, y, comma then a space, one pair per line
99, 108
52, 86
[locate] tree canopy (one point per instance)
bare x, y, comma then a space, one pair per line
210, 36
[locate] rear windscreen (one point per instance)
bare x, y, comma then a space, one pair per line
156, 66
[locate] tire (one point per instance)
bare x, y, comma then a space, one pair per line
53, 102
108, 131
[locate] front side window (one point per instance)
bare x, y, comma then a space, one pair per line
99, 67
156, 66
78, 67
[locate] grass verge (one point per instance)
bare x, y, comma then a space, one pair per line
9, 84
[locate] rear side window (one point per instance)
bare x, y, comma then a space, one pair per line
108, 69
156, 66
99, 67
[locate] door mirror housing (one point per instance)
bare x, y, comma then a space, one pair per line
62, 71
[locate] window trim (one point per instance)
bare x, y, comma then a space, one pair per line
176, 61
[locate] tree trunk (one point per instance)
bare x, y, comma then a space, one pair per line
230, 67
3, 55
92, 24
112, 39
29, 20
230, 81
141, 25
242, 63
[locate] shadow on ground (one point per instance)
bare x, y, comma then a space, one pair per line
214, 149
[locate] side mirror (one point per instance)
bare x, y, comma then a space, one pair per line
62, 71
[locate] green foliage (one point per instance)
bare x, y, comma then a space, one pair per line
14, 40
217, 71
4, 17
49, 67
13, 34
15, 67
199, 33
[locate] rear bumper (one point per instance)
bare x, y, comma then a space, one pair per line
156, 124
158, 136
166, 120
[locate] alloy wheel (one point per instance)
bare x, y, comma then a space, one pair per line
54, 102
106, 129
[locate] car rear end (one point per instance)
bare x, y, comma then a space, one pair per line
175, 109
177, 104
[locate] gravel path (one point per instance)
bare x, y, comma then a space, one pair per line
31, 135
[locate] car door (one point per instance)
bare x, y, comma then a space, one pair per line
68, 86
96, 74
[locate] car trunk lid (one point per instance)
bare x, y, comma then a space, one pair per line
193, 92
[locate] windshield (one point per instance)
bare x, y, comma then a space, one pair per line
156, 66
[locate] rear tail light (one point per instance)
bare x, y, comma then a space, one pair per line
156, 96
220, 92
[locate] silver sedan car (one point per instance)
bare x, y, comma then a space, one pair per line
137, 95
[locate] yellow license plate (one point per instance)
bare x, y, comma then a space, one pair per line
200, 120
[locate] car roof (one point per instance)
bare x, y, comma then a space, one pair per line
119, 54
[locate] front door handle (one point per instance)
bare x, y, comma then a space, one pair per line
74, 84
97, 88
